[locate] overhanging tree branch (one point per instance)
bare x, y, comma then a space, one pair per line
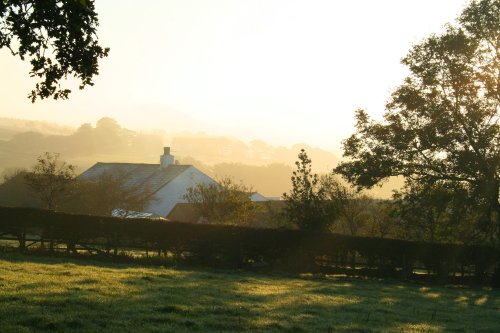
66, 28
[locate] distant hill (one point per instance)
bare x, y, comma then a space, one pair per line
221, 149
11, 126
265, 167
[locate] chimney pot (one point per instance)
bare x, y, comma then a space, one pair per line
166, 159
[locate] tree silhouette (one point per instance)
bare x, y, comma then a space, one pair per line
58, 37
306, 204
223, 202
442, 123
51, 179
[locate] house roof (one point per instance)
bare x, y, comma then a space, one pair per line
185, 212
145, 176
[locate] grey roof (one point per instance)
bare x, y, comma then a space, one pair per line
149, 177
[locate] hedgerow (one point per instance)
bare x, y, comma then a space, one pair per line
233, 246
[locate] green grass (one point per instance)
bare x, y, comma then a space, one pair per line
40, 294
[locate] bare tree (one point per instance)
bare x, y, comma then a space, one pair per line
51, 180
108, 193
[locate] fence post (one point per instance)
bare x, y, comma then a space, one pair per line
21, 237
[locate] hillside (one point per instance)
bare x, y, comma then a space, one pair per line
264, 167
11, 126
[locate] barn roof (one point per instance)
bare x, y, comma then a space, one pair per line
185, 212
145, 176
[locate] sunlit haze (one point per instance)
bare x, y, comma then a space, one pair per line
281, 71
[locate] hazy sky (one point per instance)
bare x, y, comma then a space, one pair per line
282, 71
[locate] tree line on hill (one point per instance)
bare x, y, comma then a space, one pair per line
11, 126
256, 163
106, 137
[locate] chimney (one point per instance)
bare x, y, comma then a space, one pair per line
166, 159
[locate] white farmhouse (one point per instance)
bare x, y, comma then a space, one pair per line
167, 181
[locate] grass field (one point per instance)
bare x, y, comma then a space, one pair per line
64, 295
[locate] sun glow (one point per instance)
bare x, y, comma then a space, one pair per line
282, 71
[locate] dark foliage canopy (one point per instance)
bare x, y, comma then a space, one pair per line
442, 123
223, 202
438, 212
59, 39
306, 204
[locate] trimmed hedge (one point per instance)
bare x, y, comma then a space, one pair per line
231, 246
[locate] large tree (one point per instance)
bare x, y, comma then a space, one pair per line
442, 123
438, 212
59, 39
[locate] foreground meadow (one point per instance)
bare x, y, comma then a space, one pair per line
65, 295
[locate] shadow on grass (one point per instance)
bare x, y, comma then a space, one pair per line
48, 258
79, 295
